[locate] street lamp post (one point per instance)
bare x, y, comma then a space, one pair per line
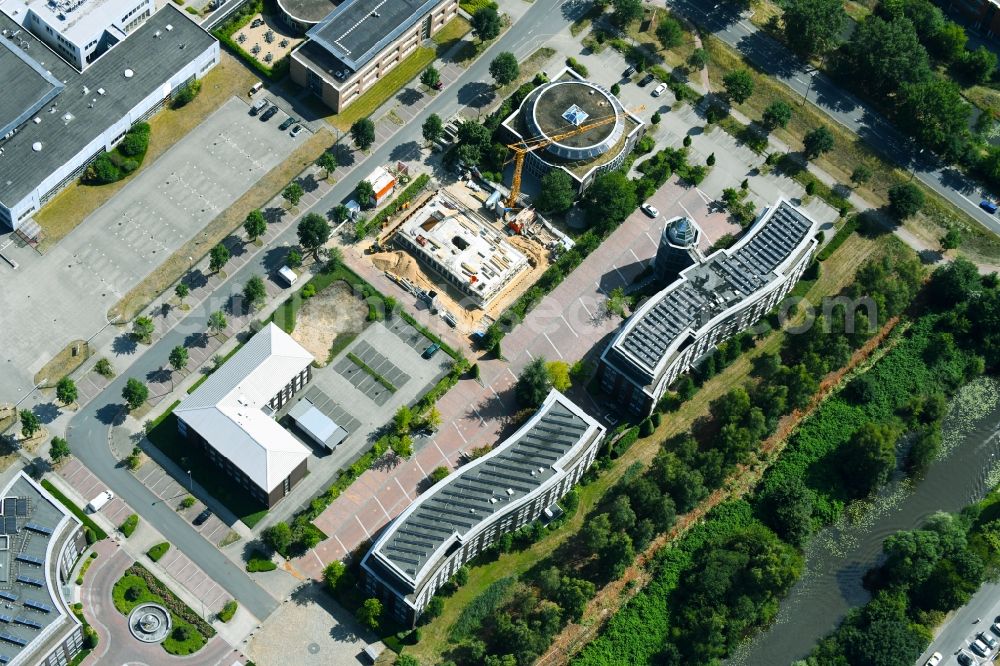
190, 482
812, 76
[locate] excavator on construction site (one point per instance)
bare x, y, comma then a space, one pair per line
522, 148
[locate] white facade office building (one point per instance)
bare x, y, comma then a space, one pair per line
712, 300
465, 513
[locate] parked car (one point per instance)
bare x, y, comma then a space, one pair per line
267, 115
659, 90
989, 640
431, 350
296, 131
439, 85
202, 517
989, 206
996, 628
288, 275
965, 659
979, 647
650, 209
934, 660
629, 71
258, 106
646, 80
255, 88
288, 122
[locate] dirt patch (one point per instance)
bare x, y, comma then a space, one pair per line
333, 312
402, 265
253, 39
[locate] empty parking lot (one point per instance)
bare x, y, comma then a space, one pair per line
65, 294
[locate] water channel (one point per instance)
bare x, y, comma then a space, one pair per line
838, 557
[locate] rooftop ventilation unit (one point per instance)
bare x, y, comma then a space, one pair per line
129, 73
169, 27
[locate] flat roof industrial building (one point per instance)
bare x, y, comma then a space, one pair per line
232, 414
462, 247
467, 511
60, 118
362, 40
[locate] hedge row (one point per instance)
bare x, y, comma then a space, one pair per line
129, 525
838, 239
371, 371
75, 510
158, 551
427, 333
407, 195
228, 611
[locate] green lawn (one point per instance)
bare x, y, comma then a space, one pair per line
384, 88
194, 642
164, 436
453, 31
75, 510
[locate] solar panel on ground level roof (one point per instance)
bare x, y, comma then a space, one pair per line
41, 529
9, 596
6, 618
4, 636
39, 605
30, 559
28, 622
38, 582
22, 506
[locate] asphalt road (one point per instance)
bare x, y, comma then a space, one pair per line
955, 635
89, 427
772, 57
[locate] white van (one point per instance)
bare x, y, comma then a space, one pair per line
288, 275
95, 505
255, 88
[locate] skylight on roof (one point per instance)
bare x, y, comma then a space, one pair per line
575, 115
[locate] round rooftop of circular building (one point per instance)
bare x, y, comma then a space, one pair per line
681, 232
561, 106
303, 14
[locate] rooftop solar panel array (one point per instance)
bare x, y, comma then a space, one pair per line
9, 596
22, 506
6, 618
746, 271
27, 622
41, 529
39, 605
29, 580
10, 638
487, 486
30, 559
9, 524
9, 506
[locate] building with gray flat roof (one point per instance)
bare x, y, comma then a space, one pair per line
55, 136
360, 42
711, 301
40, 542
562, 105
466, 512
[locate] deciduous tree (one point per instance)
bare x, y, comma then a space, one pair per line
255, 225
363, 133
504, 68
66, 391
135, 393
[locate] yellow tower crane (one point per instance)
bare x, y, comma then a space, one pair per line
522, 148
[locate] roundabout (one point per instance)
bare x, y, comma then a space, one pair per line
149, 623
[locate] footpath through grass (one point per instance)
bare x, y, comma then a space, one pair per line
850, 151
837, 273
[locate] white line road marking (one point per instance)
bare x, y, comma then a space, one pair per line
440, 451
381, 506
636, 256
553, 344
651, 239
530, 355
367, 533
686, 211
568, 326
624, 281
396, 479
346, 549
419, 466
317, 556
585, 308
459, 431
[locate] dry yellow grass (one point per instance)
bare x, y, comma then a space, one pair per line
71, 206
63, 363
171, 270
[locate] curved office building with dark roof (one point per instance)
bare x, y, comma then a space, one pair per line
711, 301
467, 512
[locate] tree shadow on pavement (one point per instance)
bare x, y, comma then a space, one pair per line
46, 412
124, 345
112, 414
409, 96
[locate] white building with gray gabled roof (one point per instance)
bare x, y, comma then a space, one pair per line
232, 415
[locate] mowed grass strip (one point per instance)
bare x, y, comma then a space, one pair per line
385, 88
